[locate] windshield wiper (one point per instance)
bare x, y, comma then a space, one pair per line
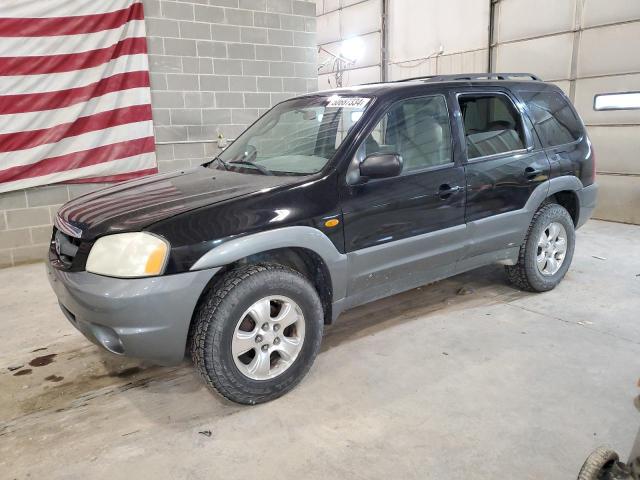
224, 164
260, 168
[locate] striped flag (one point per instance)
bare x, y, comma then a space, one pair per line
75, 102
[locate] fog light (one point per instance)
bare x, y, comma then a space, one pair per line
108, 338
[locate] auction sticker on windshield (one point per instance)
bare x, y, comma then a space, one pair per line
352, 102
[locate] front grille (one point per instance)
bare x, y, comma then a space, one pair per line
68, 251
65, 247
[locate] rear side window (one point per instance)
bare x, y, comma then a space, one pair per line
553, 118
492, 125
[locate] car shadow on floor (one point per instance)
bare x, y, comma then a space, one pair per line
483, 285
80, 375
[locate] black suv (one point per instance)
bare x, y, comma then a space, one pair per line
328, 201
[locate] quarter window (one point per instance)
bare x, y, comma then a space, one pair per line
553, 118
491, 125
417, 129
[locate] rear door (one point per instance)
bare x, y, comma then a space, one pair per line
403, 231
504, 163
561, 133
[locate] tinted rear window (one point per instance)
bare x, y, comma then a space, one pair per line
553, 117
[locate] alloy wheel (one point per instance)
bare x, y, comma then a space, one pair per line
268, 337
552, 248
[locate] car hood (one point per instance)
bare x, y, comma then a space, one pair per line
136, 204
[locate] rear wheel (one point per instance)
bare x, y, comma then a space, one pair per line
547, 251
257, 333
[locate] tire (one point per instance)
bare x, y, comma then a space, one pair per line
220, 321
526, 275
596, 464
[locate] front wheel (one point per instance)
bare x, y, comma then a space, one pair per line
547, 251
257, 332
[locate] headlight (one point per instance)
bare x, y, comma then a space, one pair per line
135, 254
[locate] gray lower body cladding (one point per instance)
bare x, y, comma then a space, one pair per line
144, 317
383, 270
149, 317
587, 197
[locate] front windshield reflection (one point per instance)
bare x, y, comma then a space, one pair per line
296, 137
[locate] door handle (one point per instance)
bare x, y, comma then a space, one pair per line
532, 172
446, 190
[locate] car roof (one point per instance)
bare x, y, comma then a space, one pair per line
509, 80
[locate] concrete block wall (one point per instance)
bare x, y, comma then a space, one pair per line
215, 66
26, 217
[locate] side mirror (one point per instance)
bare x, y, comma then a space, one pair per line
381, 165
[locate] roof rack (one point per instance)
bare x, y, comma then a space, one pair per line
473, 76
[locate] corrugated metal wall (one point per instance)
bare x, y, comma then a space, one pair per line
420, 29
416, 31
586, 47
341, 19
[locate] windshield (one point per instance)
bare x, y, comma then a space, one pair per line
296, 137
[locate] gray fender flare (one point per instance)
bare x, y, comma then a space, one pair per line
544, 191
308, 238
568, 182
554, 185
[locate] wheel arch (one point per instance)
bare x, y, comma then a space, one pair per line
570, 201
305, 261
305, 249
561, 190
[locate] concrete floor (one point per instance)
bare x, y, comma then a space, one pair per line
433, 383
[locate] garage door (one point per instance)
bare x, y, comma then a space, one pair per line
589, 48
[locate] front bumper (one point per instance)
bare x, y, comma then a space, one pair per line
146, 318
587, 197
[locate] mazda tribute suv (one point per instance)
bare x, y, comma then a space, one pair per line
328, 201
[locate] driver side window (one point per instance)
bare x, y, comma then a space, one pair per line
417, 129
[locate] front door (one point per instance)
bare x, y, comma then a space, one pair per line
404, 231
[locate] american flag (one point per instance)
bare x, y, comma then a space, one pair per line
75, 102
